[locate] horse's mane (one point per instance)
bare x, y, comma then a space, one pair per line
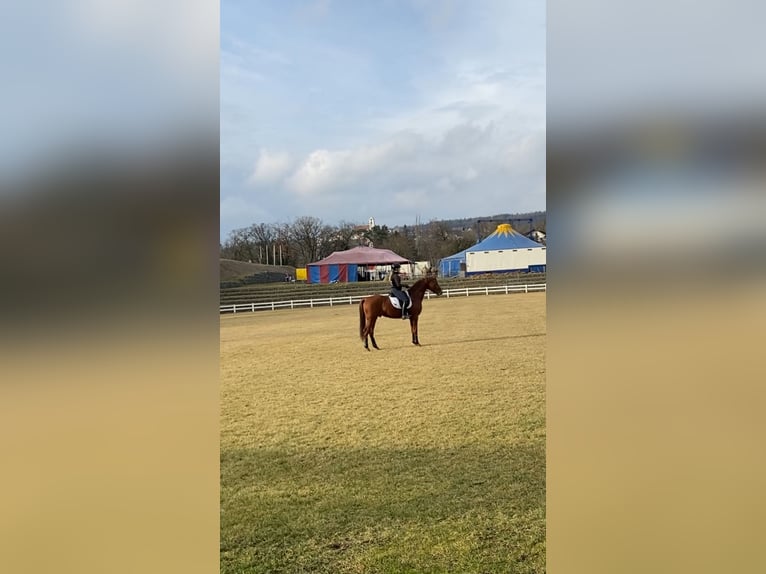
420, 282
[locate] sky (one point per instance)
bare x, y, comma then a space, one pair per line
394, 109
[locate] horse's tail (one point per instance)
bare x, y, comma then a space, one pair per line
362, 319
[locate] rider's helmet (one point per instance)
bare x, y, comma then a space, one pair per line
395, 266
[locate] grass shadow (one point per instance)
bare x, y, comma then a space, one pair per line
462, 341
483, 340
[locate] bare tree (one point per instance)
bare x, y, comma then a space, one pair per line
285, 245
463, 241
343, 236
436, 241
402, 243
377, 235
239, 246
263, 235
307, 233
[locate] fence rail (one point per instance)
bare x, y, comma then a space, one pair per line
351, 299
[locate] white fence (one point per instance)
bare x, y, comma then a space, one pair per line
350, 300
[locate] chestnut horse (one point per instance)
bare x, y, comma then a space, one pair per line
374, 306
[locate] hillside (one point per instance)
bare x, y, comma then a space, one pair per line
538, 220
232, 270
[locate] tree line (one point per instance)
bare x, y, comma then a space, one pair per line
309, 239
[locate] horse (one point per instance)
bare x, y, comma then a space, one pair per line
374, 306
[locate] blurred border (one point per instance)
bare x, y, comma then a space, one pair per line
109, 194
656, 131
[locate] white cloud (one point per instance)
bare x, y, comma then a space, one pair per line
317, 9
526, 154
325, 170
468, 174
270, 167
472, 94
469, 161
320, 170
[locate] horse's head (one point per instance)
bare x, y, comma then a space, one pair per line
431, 283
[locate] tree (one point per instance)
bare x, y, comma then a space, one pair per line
342, 236
239, 246
465, 240
402, 244
435, 241
285, 244
263, 235
307, 234
377, 235
328, 239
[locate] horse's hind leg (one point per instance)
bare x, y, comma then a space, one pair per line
363, 324
372, 332
365, 331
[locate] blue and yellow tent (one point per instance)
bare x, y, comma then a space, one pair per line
504, 238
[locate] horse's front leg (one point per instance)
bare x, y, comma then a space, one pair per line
414, 329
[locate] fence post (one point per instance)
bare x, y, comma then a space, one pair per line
252, 308
311, 303
234, 308
330, 301
292, 304
272, 305
349, 299
526, 288
506, 288
486, 290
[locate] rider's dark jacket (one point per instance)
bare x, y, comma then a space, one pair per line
396, 289
396, 281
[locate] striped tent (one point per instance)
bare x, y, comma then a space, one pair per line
343, 266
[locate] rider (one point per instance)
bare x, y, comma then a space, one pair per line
397, 288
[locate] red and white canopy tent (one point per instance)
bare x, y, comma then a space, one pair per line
344, 266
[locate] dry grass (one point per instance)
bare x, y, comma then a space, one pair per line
430, 459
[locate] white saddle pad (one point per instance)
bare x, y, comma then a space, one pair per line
395, 301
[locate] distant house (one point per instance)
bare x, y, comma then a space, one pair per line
360, 231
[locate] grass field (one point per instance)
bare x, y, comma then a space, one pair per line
421, 460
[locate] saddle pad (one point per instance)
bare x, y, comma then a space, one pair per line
395, 301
